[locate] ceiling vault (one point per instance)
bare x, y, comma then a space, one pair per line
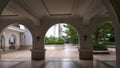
36, 10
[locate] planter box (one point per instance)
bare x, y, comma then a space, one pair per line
101, 52
110, 46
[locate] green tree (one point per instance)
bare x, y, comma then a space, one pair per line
72, 35
102, 32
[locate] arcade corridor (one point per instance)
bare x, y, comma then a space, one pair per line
39, 15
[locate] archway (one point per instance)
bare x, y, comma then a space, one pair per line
103, 43
116, 22
18, 41
62, 42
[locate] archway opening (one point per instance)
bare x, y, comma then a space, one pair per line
103, 43
16, 40
62, 42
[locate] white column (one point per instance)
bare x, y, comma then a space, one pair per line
85, 51
38, 51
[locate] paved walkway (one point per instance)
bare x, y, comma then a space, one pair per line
67, 55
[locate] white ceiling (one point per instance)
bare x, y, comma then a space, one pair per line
38, 9
7, 12
59, 6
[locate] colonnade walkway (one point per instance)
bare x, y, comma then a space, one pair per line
57, 57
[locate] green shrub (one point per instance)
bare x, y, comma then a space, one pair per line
73, 39
108, 43
99, 47
54, 40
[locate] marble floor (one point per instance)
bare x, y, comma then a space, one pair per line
62, 57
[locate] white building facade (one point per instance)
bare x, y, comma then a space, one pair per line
20, 37
57, 30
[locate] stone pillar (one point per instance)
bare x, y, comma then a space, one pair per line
38, 51
85, 51
117, 41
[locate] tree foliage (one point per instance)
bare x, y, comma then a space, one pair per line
104, 31
72, 36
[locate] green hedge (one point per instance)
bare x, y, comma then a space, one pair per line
108, 43
54, 40
99, 47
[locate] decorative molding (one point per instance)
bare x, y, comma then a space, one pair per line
45, 6
60, 14
74, 6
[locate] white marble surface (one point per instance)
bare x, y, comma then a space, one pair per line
62, 58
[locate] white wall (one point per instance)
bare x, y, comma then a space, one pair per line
19, 39
28, 37
8, 33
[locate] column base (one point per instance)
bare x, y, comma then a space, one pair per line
12, 47
38, 54
86, 54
